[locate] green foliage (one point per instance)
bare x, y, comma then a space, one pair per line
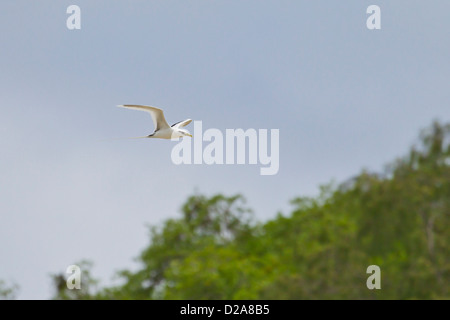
206, 224
398, 220
8, 292
88, 284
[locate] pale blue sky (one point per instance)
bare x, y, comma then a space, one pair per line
343, 97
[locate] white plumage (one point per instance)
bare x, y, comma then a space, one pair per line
162, 129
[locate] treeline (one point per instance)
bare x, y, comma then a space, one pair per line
398, 220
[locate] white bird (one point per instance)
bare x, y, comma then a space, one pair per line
162, 129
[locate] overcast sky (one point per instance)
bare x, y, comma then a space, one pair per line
343, 97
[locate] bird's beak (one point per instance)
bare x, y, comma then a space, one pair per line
190, 135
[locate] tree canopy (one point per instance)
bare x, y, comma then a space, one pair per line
398, 219
8, 292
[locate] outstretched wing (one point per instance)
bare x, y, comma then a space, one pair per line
157, 115
181, 124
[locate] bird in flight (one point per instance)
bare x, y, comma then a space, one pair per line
162, 129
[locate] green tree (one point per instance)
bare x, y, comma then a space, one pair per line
8, 292
206, 222
398, 220
88, 288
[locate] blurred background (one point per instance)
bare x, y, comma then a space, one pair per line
350, 104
